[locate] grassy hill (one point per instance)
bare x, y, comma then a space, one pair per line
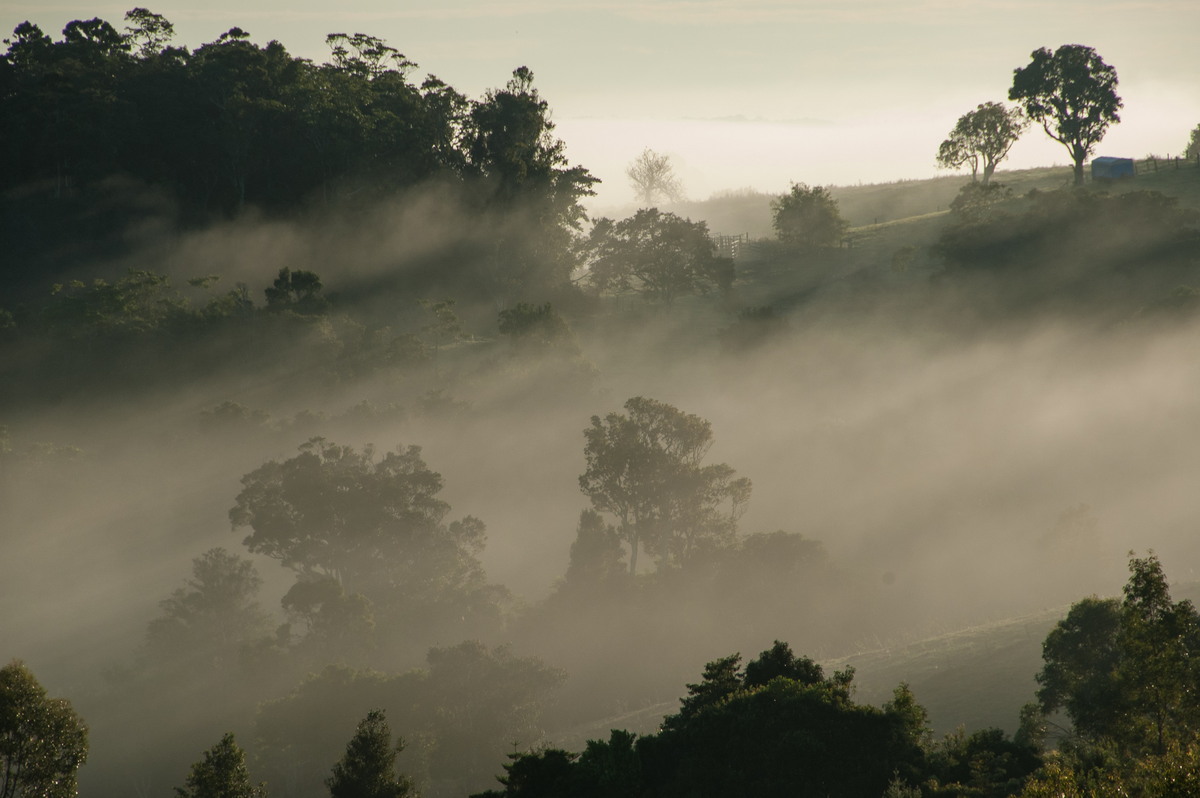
869, 205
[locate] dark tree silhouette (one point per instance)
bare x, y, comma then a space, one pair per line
1073, 94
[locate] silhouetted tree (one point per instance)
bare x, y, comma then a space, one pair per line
298, 291
1072, 93
534, 194
982, 137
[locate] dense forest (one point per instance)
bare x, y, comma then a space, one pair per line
342, 452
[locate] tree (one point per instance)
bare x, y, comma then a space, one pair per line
645, 468
1072, 93
659, 254
147, 31
653, 177
368, 770
529, 185
373, 524
207, 622
298, 291
221, 774
536, 328
788, 737
1124, 671
1193, 146
808, 217
596, 555
42, 741
983, 135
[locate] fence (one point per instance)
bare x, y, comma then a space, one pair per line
1153, 163
731, 246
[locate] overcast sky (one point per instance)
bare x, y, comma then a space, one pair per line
756, 93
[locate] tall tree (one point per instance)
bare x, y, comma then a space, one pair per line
368, 769
531, 188
653, 179
1073, 94
42, 741
1125, 672
646, 469
982, 137
221, 774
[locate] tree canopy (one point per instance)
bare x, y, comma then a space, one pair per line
808, 217
373, 524
659, 254
1073, 94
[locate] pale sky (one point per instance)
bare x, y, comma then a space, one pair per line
751, 94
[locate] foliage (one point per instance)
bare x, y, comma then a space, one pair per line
659, 254
985, 763
368, 769
523, 172
1124, 672
140, 302
297, 291
462, 712
1072, 93
1068, 247
796, 734
645, 468
338, 627
1193, 146
536, 328
221, 774
597, 557
42, 741
808, 217
982, 137
207, 623
979, 201
338, 512
653, 178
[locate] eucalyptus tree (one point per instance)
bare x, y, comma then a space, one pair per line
1073, 94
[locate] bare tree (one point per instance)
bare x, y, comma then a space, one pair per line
653, 178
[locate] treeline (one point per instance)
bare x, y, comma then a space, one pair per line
232, 124
1121, 670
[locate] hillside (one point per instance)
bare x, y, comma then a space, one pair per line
749, 212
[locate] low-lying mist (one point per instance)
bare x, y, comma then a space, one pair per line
946, 475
